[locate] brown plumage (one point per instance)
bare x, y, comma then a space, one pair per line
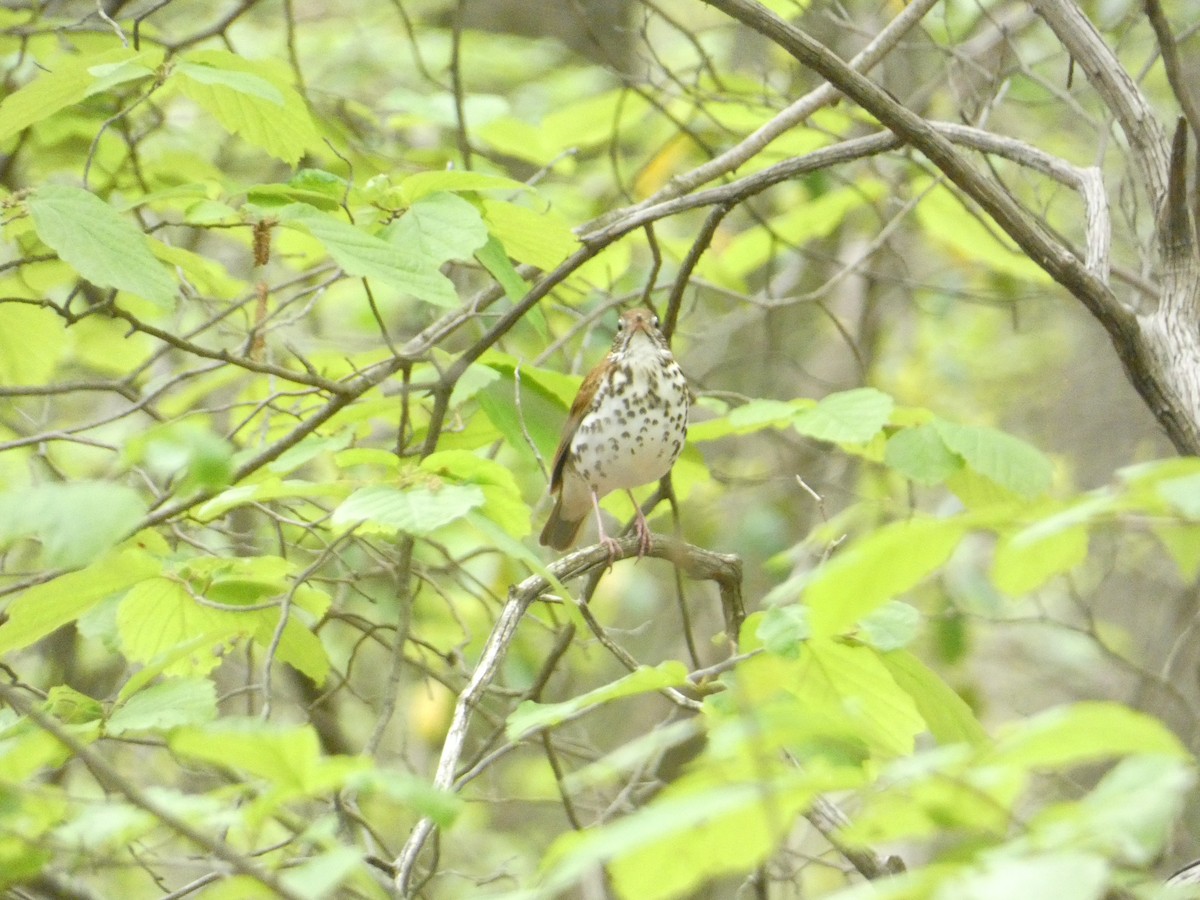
625, 429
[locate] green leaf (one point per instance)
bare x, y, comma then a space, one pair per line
1082, 733
298, 646
369, 256
288, 757
783, 628
31, 342
72, 707
422, 184
159, 614
67, 82
99, 243
1065, 876
851, 681
873, 570
1021, 565
890, 627
1183, 494
920, 454
74, 522
530, 716
438, 228
502, 501
493, 258
267, 489
945, 218
1006, 460
946, 714
46, 607
542, 239
250, 99
241, 82
848, 417
749, 417
175, 702
1128, 816
418, 510
320, 875
682, 839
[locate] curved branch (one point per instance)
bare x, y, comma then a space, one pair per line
695, 562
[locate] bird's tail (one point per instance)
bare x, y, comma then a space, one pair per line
561, 529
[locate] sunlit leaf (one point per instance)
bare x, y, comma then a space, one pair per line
41, 609
249, 98
1083, 732
947, 716
1021, 565
31, 342
882, 565
68, 81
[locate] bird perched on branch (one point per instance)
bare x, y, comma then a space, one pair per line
625, 429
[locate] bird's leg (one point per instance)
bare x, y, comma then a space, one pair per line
610, 544
643, 529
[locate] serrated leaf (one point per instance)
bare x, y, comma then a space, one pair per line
529, 715
417, 511
298, 646
99, 243
249, 99
873, 570
1000, 457
847, 417
175, 702
45, 607
369, 256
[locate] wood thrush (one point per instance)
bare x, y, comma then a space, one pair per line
625, 429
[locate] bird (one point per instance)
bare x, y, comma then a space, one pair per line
626, 428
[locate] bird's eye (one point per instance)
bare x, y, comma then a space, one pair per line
654, 321
620, 325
